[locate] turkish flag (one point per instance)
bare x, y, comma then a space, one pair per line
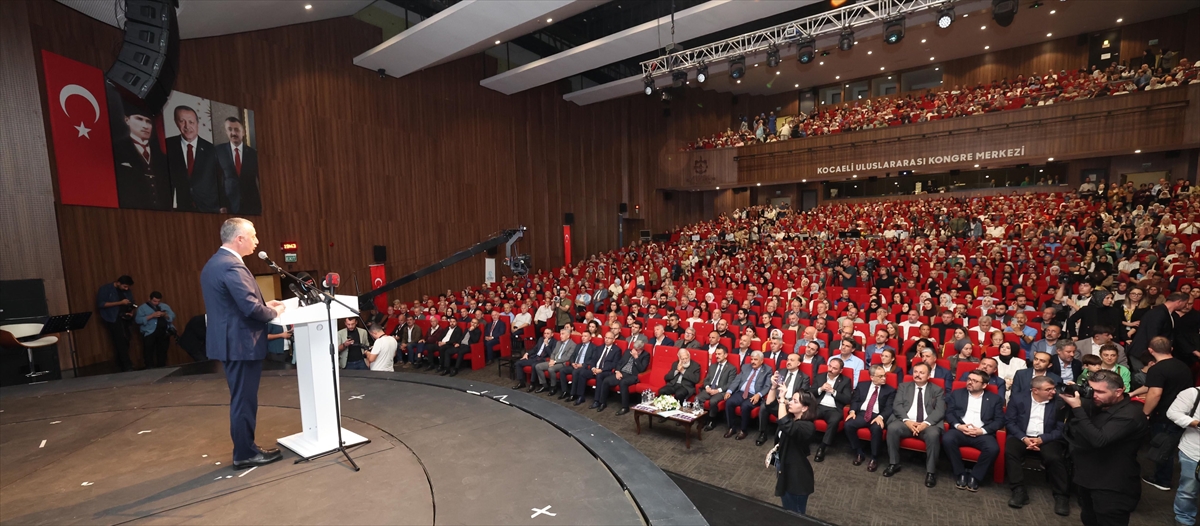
379, 279
567, 244
80, 130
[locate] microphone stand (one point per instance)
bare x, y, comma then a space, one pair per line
328, 299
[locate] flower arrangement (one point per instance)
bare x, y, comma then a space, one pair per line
665, 403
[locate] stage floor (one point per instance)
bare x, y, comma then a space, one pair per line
158, 451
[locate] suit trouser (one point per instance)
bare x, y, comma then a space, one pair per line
243, 377
544, 367
1054, 458
736, 400
118, 333
1106, 507
858, 422
832, 417
520, 366
931, 435
489, 346
564, 373
604, 385
703, 396
455, 352
679, 391
986, 444
579, 380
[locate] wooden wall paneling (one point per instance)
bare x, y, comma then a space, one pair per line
1170, 32
1058, 54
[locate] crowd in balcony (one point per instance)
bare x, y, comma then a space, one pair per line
1156, 72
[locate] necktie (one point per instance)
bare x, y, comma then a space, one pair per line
871, 403
191, 160
750, 382
920, 405
145, 150
543, 349
237, 160
602, 355
788, 382
717, 375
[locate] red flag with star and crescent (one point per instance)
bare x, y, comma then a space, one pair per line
80, 133
378, 279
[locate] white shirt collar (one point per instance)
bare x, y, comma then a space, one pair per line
231, 251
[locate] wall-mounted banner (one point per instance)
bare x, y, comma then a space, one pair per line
378, 279
489, 270
567, 244
912, 162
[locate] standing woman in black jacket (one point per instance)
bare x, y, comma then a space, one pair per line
794, 482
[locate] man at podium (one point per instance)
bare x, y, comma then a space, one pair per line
237, 334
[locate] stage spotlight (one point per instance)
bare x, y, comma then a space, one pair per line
893, 30
702, 73
773, 56
737, 67
945, 17
649, 84
1003, 11
846, 41
807, 51
678, 78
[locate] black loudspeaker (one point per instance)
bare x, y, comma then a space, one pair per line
380, 254
624, 208
568, 219
145, 65
740, 190
667, 196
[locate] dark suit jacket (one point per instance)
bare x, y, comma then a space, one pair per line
694, 344
589, 352
640, 364
1156, 322
777, 356
1076, 367
817, 362
887, 396
1016, 418
495, 328
141, 185
611, 358
667, 341
991, 411
435, 336
536, 352
762, 381
1105, 444
995, 380
241, 189
476, 336
202, 190
841, 389
722, 381
1022, 379
691, 374
237, 313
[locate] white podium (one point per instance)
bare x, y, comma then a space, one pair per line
316, 374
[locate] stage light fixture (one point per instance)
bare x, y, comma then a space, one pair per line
648, 82
945, 17
773, 56
678, 78
737, 67
846, 41
893, 30
1003, 11
808, 51
702, 73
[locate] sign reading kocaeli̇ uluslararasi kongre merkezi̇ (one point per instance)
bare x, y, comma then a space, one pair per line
912, 162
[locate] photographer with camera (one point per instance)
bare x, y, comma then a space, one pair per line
1104, 431
115, 305
156, 320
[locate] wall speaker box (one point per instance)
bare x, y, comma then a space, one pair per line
955, 172
740, 190
568, 219
380, 252
145, 64
624, 208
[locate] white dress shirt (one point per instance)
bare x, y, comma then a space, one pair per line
874, 409
974, 415
1037, 418
827, 400
912, 411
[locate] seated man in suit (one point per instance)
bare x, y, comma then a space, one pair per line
929, 357
563, 350
989, 366
689, 340
917, 412
714, 343
881, 340
660, 337
606, 361
682, 378
1041, 367
794, 380
747, 391
870, 407
1034, 422
1051, 336
811, 355
631, 364
425, 344
975, 415
832, 391
470, 337
542, 349
1101, 336
810, 335
492, 334
445, 346
775, 351
720, 377
1064, 364
584, 358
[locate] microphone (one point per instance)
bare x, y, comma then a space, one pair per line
332, 280
262, 254
296, 292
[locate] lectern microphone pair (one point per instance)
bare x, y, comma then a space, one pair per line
317, 376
